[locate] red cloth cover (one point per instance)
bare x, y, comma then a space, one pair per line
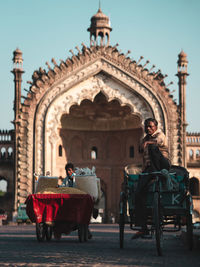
76, 208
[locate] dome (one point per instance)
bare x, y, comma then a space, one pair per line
18, 51
100, 20
182, 54
182, 58
100, 29
17, 55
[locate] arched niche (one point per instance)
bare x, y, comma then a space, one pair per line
194, 186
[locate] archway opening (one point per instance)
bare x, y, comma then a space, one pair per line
194, 186
3, 186
104, 134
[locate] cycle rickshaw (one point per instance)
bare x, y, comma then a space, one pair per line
168, 203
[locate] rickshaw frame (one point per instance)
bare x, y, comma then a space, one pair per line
159, 214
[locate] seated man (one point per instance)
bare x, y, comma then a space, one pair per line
155, 158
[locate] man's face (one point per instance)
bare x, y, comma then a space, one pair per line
150, 128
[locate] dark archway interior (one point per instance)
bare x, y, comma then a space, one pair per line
100, 115
102, 133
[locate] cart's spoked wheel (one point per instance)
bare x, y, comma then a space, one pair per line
40, 231
81, 232
158, 223
48, 232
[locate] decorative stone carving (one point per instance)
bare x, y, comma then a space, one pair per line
76, 79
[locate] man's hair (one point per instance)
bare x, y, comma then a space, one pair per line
152, 120
69, 165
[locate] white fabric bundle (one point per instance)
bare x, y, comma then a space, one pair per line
88, 184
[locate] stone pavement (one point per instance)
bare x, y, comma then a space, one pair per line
196, 238
19, 247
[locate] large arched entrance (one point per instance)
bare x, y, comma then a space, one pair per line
91, 115
103, 134
97, 122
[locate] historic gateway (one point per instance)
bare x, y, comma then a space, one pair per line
90, 110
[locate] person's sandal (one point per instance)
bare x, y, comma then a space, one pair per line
142, 233
138, 235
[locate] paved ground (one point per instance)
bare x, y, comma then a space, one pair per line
19, 247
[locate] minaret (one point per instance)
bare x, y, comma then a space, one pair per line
182, 75
100, 29
17, 71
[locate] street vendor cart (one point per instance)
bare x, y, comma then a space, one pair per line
59, 212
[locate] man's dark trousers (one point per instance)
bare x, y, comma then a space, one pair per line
157, 163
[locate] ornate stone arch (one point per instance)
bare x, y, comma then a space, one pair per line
139, 98
52, 93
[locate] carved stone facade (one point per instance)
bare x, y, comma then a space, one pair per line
90, 110
95, 70
193, 166
7, 184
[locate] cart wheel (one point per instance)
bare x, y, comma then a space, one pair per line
48, 232
81, 232
86, 232
40, 231
189, 225
158, 223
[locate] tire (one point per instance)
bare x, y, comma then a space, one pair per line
81, 232
157, 218
48, 232
40, 231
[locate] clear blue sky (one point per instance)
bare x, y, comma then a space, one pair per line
155, 29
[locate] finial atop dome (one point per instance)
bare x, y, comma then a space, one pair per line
99, 27
182, 54
99, 4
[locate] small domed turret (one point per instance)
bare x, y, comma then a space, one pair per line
99, 27
182, 62
17, 59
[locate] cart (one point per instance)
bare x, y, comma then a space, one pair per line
168, 203
59, 213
